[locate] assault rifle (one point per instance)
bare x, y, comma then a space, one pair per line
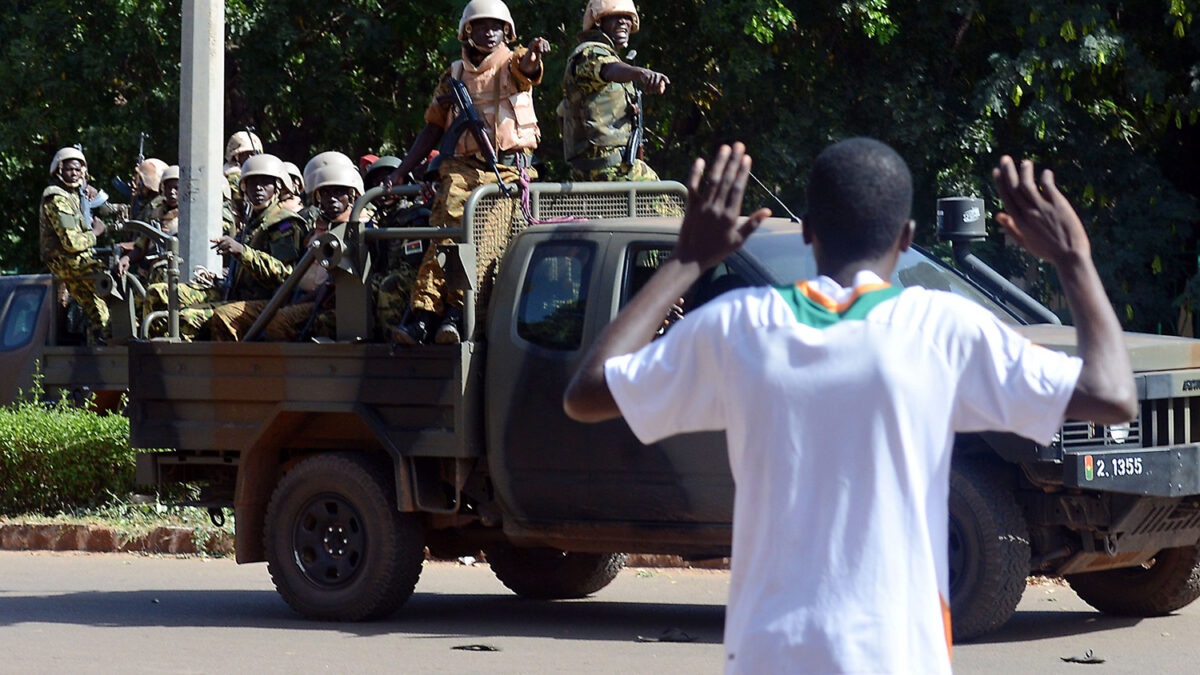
124, 188
467, 120
633, 149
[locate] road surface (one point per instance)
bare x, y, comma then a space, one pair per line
144, 614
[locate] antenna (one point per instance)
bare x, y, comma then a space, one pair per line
774, 196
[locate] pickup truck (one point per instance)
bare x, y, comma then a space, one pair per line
345, 461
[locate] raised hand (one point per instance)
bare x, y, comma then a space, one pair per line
1041, 220
710, 229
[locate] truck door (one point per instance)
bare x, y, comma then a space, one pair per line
549, 468
24, 323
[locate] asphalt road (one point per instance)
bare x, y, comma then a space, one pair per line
129, 613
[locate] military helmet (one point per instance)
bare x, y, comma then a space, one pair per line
65, 154
387, 163
337, 175
172, 173
264, 165
242, 141
296, 183
487, 9
324, 159
598, 9
150, 171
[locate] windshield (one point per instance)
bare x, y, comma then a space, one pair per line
788, 259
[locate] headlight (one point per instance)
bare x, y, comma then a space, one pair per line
1118, 433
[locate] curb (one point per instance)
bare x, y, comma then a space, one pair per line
100, 539
182, 541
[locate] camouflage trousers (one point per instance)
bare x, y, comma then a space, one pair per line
391, 292
492, 232
76, 275
197, 304
231, 321
638, 171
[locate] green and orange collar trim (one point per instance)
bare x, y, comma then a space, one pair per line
814, 308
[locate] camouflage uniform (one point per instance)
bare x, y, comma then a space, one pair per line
231, 321
65, 243
393, 285
596, 115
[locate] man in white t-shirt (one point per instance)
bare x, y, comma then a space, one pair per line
840, 397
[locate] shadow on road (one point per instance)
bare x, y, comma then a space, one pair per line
1042, 625
426, 614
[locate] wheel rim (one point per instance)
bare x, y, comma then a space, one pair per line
329, 542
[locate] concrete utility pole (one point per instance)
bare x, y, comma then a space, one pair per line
201, 131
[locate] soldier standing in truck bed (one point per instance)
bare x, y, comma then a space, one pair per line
599, 108
68, 226
499, 81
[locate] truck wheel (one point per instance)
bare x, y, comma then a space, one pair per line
337, 548
1170, 581
989, 550
551, 574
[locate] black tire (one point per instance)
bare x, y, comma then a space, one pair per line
1170, 581
989, 549
551, 574
337, 548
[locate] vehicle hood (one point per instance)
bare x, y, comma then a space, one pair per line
1146, 352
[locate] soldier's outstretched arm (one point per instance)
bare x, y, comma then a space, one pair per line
1045, 224
426, 141
652, 82
712, 229
531, 62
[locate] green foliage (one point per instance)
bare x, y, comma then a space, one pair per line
55, 457
1108, 95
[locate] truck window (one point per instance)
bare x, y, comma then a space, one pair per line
554, 295
20, 317
643, 260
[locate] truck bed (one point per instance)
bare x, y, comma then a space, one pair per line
223, 397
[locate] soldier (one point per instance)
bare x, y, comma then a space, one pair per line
165, 213
322, 159
241, 146
499, 80
147, 181
294, 187
68, 226
398, 259
599, 107
335, 188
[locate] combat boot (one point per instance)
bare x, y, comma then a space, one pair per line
414, 329
450, 331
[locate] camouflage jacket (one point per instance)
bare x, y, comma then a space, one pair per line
274, 242
595, 115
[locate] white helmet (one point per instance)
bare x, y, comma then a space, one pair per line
150, 171
598, 9
264, 165
172, 173
242, 141
296, 184
324, 159
336, 175
65, 154
487, 9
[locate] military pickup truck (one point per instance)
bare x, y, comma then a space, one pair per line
345, 461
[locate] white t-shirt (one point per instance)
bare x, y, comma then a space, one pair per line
839, 408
